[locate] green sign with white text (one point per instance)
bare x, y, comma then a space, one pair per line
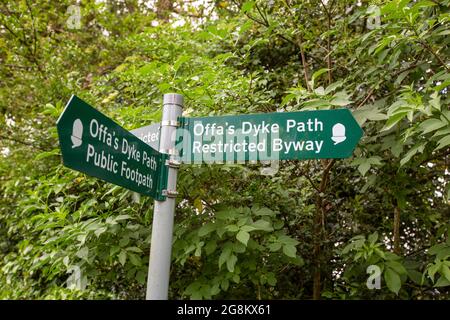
94, 144
149, 134
321, 134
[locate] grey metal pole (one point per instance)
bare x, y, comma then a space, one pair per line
163, 214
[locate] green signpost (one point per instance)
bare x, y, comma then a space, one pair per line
94, 144
321, 134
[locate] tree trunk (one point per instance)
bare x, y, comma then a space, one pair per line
316, 251
318, 229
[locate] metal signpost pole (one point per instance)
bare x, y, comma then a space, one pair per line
163, 214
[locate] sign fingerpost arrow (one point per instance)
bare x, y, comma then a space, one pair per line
319, 134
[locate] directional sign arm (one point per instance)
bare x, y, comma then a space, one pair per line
320, 134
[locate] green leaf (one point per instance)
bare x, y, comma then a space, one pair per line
247, 6
431, 125
225, 214
397, 267
290, 250
141, 276
243, 237
298, 261
43, 155
417, 148
363, 168
333, 87
198, 251
341, 99
248, 228
443, 254
148, 68
365, 163
393, 120
114, 250
445, 271
316, 75
393, 281
273, 247
415, 276
264, 212
224, 285
206, 229
210, 247
436, 248
443, 33
287, 240
287, 99
442, 85
373, 237
441, 132
121, 67
380, 253
239, 247
244, 27
232, 228
316, 104
123, 217
83, 253
442, 282
182, 59
368, 112
262, 225
99, 231
271, 280
445, 141
124, 241
135, 259
134, 249
435, 101
215, 289
224, 255
347, 248
433, 269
